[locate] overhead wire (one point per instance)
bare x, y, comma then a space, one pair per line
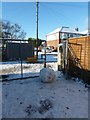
52, 10
66, 4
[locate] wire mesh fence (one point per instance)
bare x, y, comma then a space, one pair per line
19, 60
14, 62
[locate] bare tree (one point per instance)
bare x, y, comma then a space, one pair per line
12, 31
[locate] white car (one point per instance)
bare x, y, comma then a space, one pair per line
48, 50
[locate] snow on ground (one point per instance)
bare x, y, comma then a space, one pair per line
0, 100
13, 68
24, 98
30, 98
50, 57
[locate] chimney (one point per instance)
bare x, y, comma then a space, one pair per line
77, 29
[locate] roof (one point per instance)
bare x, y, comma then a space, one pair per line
87, 32
65, 30
55, 31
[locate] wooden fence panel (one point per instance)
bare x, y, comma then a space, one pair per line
81, 49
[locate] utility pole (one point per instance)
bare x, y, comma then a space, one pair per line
37, 27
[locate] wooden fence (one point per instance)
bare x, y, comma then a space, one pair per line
79, 56
81, 51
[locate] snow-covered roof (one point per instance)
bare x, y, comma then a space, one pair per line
69, 30
65, 30
86, 32
55, 31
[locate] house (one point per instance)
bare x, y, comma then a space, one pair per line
54, 38
86, 32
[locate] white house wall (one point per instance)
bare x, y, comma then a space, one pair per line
51, 37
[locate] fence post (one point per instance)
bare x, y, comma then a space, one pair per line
21, 61
66, 58
45, 56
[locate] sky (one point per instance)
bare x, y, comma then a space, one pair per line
52, 15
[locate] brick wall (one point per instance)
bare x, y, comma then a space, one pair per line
53, 39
